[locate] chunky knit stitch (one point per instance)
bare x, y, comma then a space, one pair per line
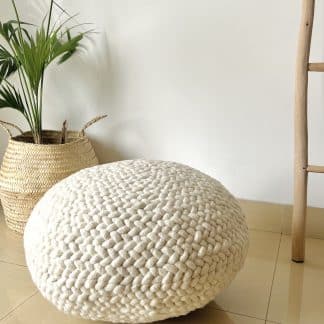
135, 241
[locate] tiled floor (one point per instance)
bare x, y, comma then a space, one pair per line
270, 289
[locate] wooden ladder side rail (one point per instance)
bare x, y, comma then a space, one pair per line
301, 131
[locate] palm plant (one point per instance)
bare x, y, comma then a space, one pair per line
28, 50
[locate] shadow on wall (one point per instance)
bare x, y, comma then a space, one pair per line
93, 87
126, 139
106, 152
83, 87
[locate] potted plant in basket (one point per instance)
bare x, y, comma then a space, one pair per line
37, 159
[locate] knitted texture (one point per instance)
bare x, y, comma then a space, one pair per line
135, 241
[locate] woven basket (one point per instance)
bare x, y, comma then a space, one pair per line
28, 170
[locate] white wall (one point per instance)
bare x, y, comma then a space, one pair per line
208, 83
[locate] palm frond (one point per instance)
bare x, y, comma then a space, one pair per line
29, 51
67, 48
11, 98
8, 63
9, 29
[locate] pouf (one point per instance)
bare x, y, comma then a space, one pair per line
135, 241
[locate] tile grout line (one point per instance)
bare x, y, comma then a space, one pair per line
253, 229
273, 278
264, 231
276, 260
235, 313
15, 308
12, 263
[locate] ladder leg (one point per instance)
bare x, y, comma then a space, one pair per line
301, 132
299, 216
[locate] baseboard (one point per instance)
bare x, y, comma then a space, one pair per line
277, 218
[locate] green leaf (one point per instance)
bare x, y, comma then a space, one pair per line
7, 63
7, 31
68, 48
10, 98
29, 51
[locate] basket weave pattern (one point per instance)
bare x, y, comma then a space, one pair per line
28, 170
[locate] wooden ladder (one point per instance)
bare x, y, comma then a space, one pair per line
302, 168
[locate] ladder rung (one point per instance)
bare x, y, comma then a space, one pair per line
315, 169
316, 67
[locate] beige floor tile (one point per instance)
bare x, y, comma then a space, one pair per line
298, 289
249, 292
15, 287
263, 216
315, 222
211, 315
11, 244
38, 310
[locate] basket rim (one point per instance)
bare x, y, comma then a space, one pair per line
78, 138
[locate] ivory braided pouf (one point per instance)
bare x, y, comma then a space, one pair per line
135, 241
